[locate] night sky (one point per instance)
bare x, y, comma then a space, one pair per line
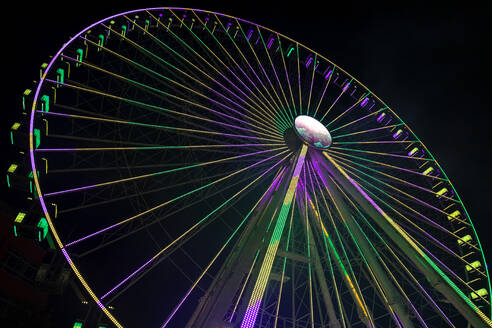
417, 60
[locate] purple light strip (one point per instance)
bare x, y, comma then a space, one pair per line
230, 82
280, 85
411, 304
437, 241
118, 223
327, 76
143, 147
194, 104
249, 35
279, 178
212, 100
421, 201
397, 320
250, 315
155, 126
341, 154
268, 79
220, 251
381, 211
67, 257
375, 142
36, 95
127, 278
256, 87
446, 248
433, 302
146, 175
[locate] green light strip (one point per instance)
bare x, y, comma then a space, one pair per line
159, 91
266, 267
418, 250
289, 110
287, 75
281, 108
212, 66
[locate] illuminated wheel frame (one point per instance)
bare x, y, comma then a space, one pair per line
179, 121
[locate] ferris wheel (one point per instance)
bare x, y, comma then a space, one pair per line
199, 170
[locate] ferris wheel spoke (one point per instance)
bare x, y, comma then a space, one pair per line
350, 108
309, 241
257, 126
346, 272
424, 233
330, 309
270, 101
433, 177
333, 318
379, 274
313, 248
287, 75
382, 153
162, 217
166, 171
328, 79
283, 110
358, 119
161, 60
156, 147
374, 142
427, 205
191, 229
169, 318
336, 100
279, 108
426, 219
163, 127
299, 78
344, 160
162, 94
367, 131
263, 107
311, 85
176, 198
287, 109
396, 259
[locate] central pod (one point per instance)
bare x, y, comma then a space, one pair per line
312, 132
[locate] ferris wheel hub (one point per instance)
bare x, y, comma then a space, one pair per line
312, 132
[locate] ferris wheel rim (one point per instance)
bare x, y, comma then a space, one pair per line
62, 246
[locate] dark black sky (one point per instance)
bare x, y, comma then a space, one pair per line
423, 62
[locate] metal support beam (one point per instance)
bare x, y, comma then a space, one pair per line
318, 269
266, 266
436, 276
221, 294
392, 298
